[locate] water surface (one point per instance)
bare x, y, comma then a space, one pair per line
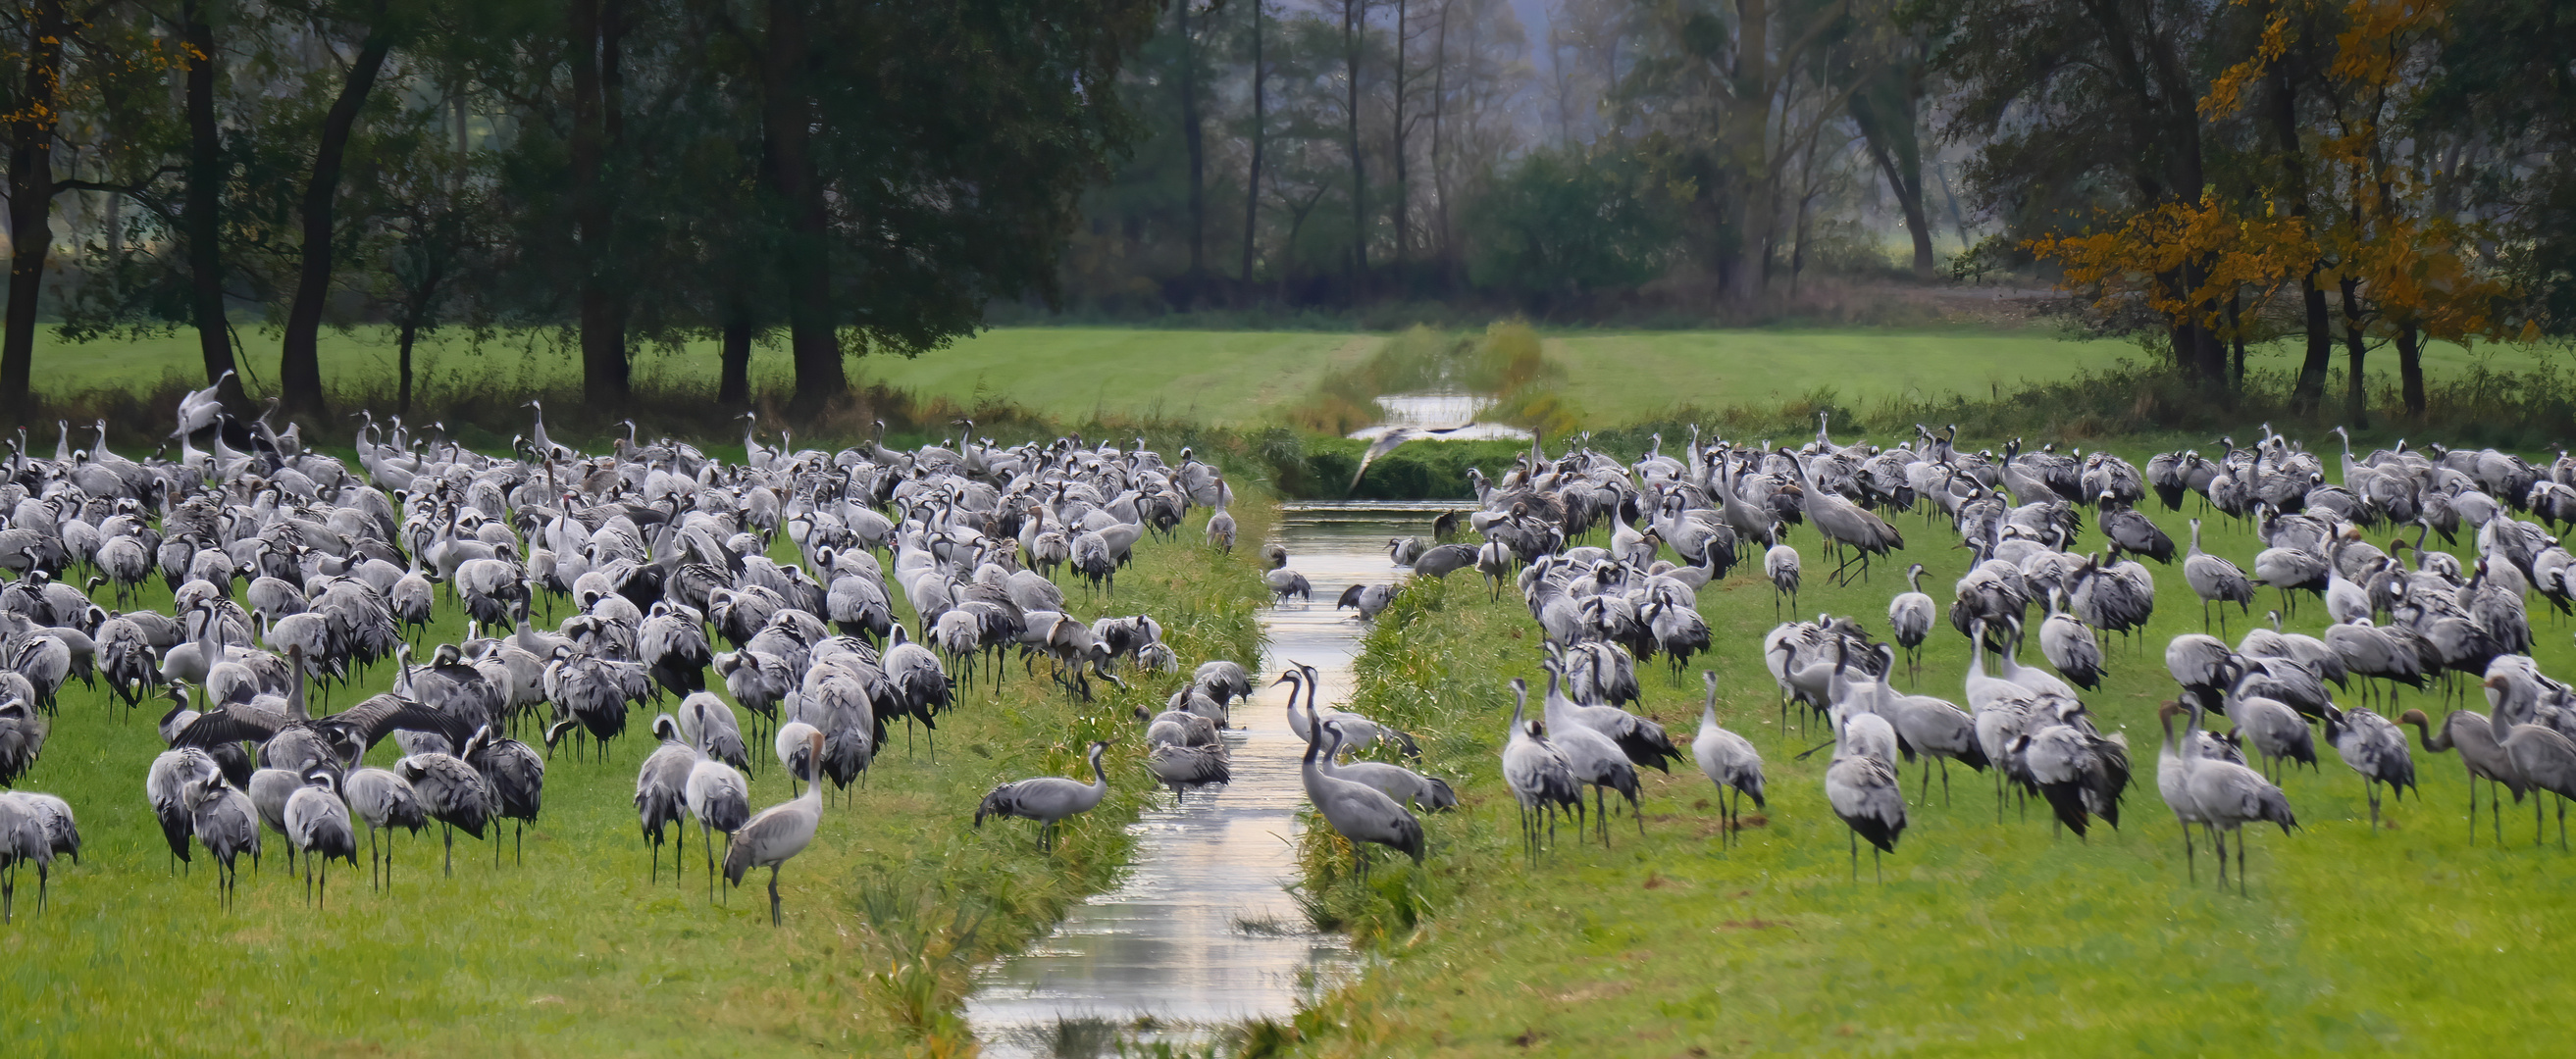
1201, 932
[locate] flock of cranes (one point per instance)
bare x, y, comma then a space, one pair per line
294, 572
2405, 616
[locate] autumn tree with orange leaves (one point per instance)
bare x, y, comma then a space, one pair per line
2353, 211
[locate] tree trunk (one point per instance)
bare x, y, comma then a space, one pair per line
206, 174
2410, 369
2310, 392
1445, 256
733, 387
1354, 36
2281, 112
31, 202
402, 364
1192, 141
602, 319
2209, 351
812, 339
1396, 205
2356, 347
1897, 149
1908, 189
2236, 335
1748, 132
1252, 178
299, 369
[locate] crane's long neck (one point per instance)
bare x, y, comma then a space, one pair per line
1099, 775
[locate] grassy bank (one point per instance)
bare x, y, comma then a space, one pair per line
1985, 938
575, 951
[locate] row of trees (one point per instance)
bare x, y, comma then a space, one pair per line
2356, 172
866, 176
1339, 150
846, 175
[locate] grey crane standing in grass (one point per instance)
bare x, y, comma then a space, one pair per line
165, 786
2542, 758
1220, 529
317, 825
661, 789
2222, 796
1780, 564
381, 800
720, 798
2375, 749
1598, 760
22, 839
1730, 762
1048, 799
1864, 794
1910, 617
2473, 735
2276, 731
1844, 523
2173, 781
2215, 580
61, 833
1358, 812
2069, 644
516, 774
794, 754
1540, 778
779, 833
452, 793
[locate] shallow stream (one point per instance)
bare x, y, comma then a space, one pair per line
1202, 933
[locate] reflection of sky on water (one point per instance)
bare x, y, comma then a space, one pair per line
1166, 942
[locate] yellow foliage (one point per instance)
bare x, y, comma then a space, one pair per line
2375, 227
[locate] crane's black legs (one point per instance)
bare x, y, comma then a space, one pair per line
773, 895
2191, 865
707, 843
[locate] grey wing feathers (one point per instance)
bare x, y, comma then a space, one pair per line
228, 726
380, 715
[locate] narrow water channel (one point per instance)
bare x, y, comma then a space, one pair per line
1201, 934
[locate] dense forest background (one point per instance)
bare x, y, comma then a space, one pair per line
843, 178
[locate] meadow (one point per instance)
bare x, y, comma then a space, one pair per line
575, 950
1986, 937
1069, 374
1320, 382
1641, 377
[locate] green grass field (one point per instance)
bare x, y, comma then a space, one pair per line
575, 951
1065, 374
1238, 379
1639, 377
1985, 938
